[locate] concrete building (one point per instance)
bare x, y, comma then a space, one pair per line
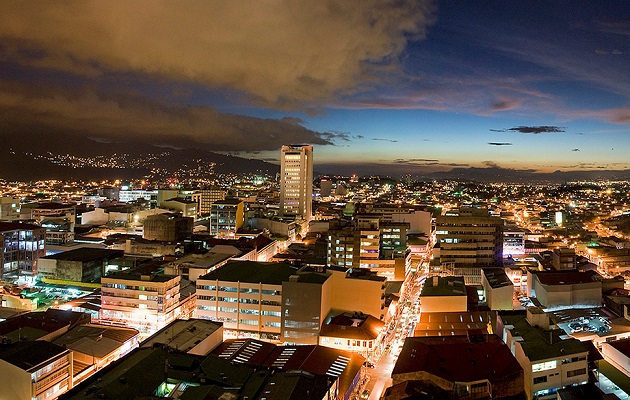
513, 242
549, 362
563, 258
143, 302
444, 294
341, 248
78, 265
192, 336
96, 346
193, 265
134, 195
419, 220
296, 181
564, 288
206, 197
58, 219
9, 209
461, 368
269, 301
21, 246
617, 352
186, 208
468, 244
498, 289
167, 227
35, 370
358, 291
277, 226
226, 217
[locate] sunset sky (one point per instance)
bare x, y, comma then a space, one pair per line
398, 85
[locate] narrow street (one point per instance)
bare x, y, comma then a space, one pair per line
408, 313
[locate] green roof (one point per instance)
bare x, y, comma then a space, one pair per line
272, 273
542, 344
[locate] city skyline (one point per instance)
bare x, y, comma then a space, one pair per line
396, 87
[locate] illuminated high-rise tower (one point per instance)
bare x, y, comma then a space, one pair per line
296, 180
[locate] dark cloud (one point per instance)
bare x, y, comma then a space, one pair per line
124, 116
575, 150
386, 140
536, 130
499, 144
359, 136
336, 136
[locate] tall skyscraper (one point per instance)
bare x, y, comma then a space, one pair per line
296, 181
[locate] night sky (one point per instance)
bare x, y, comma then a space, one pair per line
381, 85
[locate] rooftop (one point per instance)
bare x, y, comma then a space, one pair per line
252, 272
14, 226
456, 359
86, 254
128, 276
27, 355
353, 326
444, 286
563, 278
95, 340
496, 277
184, 335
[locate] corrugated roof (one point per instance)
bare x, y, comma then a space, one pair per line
455, 361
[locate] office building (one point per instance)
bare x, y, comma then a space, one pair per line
296, 181
143, 302
469, 243
21, 246
58, 219
226, 217
271, 301
206, 197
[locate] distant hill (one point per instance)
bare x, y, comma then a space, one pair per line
20, 161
